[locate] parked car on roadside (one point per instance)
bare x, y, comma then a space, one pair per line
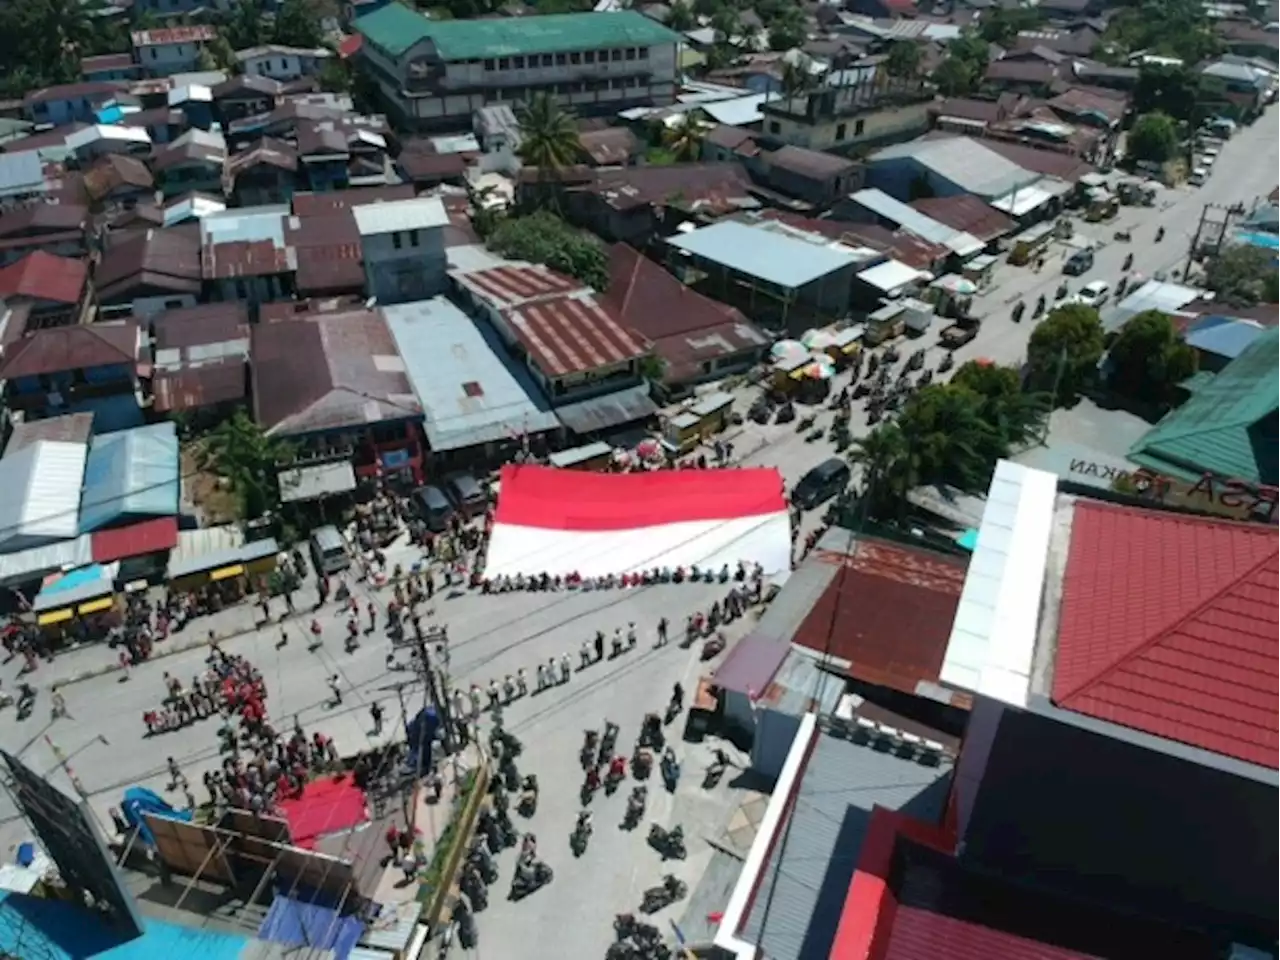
1079, 263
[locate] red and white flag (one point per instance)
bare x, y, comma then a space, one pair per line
571, 521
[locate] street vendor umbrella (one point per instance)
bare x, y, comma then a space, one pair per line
958, 286
820, 368
818, 339
785, 349
649, 449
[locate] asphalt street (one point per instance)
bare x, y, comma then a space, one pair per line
492, 636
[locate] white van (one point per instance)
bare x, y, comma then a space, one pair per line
1198, 177
329, 550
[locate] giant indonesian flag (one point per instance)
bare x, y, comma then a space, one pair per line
572, 521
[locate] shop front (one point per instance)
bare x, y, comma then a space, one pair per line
222, 577
593, 456
698, 421
78, 607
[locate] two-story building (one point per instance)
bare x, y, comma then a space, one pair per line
117, 181
170, 50
438, 73
581, 352
52, 289
265, 173
73, 368
402, 245
192, 162
282, 63
853, 109
334, 385
69, 102
245, 96
148, 272
245, 255
56, 228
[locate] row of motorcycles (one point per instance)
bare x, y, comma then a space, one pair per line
645, 578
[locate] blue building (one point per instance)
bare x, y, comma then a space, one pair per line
130, 475
69, 102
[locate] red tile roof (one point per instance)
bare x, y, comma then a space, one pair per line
135, 540
43, 276
198, 33
1169, 625
888, 613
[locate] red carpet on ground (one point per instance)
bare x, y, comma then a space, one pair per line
326, 806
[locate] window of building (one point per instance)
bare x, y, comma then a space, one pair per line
413, 238
775, 127
548, 60
630, 53
575, 58
589, 57
489, 64
517, 63
395, 240
504, 63
858, 127
644, 53
841, 130
560, 60
155, 54
615, 54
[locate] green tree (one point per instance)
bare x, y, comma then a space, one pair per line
1171, 90
725, 24
1063, 353
684, 138
336, 76
1002, 25
220, 54
951, 442
888, 470
548, 137
42, 41
297, 25
1171, 28
244, 26
904, 60
682, 17
542, 237
953, 77
1014, 414
250, 460
787, 29
1154, 137
1243, 275
1149, 359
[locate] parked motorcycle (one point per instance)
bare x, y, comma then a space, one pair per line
672, 890
668, 843
531, 875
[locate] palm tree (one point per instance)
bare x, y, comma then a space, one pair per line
250, 459
888, 469
548, 136
684, 138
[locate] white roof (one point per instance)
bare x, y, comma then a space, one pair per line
196, 207
889, 276
279, 50
993, 635
1023, 200
962, 161
912, 220
42, 493
82, 138
739, 112
22, 565
785, 261
196, 92
396, 215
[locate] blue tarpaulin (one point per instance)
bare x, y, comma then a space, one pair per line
299, 924
140, 800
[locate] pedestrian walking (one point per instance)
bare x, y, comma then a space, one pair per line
176, 779
288, 600
59, 703
566, 667
599, 645
335, 686
375, 711
631, 635
584, 655
662, 632
542, 678
522, 682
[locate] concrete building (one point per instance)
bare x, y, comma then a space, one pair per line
437, 74
402, 245
164, 52
280, 62
852, 109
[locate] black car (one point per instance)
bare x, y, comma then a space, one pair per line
820, 484
1080, 262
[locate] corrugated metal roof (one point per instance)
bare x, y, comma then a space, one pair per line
795, 911
1223, 336
471, 390
573, 334
21, 173
740, 112
423, 213
1223, 428
788, 262
611, 410
889, 276
43, 276
970, 165
23, 565
42, 493
314, 482
518, 283
882, 205
131, 473
1168, 625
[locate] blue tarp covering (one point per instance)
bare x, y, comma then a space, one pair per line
131, 473
297, 923
140, 800
968, 540
39, 929
76, 578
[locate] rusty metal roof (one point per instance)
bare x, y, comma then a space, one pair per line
205, 385
309, 204
247, 258
506, 287
573, 334
58, 349
196, 326
328, 253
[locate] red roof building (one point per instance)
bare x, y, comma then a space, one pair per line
1169, 625
44, 278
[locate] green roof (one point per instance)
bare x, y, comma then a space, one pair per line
396, 29
1229, 425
